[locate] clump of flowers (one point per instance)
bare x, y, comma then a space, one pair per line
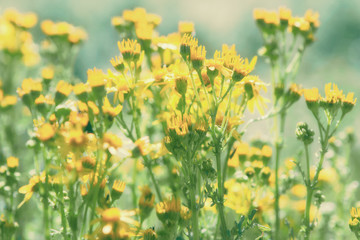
156, 146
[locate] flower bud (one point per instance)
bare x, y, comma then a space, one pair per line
304, 133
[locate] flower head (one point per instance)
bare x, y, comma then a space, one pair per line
12, 162
130, 49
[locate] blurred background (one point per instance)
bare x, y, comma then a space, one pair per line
334, 57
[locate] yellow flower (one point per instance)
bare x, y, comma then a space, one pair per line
327, 175
29, 85
115, 224
266, 151
110, 110
32, 187
168, 211
144, 31
300, 24
355, 212
187, 43
354, 224
312, 18
265, 173
88, 162
299, 190
77, 35
284, 14
45, 132
47, 27
96, 78
259, 14
47, 73
117, 21
79, 118
12, 162
242, 198
233, 162
143, 145
136, 15
153, 19
290, 164
333, 95
111, 140
118, 63
257, 165
242, 68
311, 95
119, 186
185, 213
83, 107
186, 27
198, 55
81, 90
27, 20
129, 49
111, 215
75, 136
64, 88
242, 149
349, 99
93, 107
8, 101
272, 18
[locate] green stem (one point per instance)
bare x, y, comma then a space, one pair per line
72, 215
194, 216
278, 148
46, 201
307, 212
133, 186
357, 235
220, 203
277, 210
312, 184
230, 144
157, 189
309, 192
62, 211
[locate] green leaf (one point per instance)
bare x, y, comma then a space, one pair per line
263, 228
252, 233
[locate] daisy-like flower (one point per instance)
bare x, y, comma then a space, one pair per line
116, 224
63, 90
45, 132
109, 110
242, 68
197, 56
252, 85
117, 189
30, 188
130, 49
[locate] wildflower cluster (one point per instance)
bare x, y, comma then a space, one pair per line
154, 148
354, 222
